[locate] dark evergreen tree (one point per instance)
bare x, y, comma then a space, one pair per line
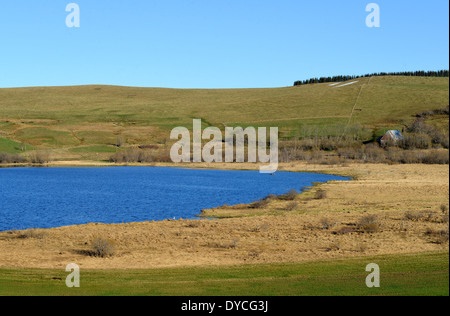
341, 78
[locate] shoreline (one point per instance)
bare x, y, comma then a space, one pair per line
309, 167
268, 235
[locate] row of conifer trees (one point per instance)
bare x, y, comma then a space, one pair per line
421, 73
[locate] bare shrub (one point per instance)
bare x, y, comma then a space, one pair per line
297, 154
308, 144
397, 155
436, 157
326, 224
32, 234
413, 157
368, 219
444, 236
271, 197
328, 144
134, 155
431, 113
292, 206
369, 224
373, 153
442, 111
426, 114
414, 216
292, 195
320, 194
317, 157
429, 216
40, 157
261, 204
348, 153
417, 216
438, 236
331, 161
439, 138
368, 153
445, 141
415, 141
11, 158
103, 248
394, 155
419, 126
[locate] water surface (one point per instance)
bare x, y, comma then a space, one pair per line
55, 197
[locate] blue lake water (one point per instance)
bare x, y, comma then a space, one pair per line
55, 197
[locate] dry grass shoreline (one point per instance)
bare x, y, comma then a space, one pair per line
311, 168
317, 229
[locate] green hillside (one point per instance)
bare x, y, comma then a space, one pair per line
68, 117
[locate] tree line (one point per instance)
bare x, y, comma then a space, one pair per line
420, 73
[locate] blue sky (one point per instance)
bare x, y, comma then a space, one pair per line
215, 44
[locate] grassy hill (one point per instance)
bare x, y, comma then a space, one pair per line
83, 119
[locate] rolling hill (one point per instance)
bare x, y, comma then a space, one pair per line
77, 119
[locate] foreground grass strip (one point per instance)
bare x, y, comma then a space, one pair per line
405, 275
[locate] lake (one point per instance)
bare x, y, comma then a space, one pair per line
55, 197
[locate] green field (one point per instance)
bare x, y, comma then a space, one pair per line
9, 146
405, 275
61, 117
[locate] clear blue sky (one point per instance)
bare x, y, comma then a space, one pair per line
215, 44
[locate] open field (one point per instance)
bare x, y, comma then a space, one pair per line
413, 275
